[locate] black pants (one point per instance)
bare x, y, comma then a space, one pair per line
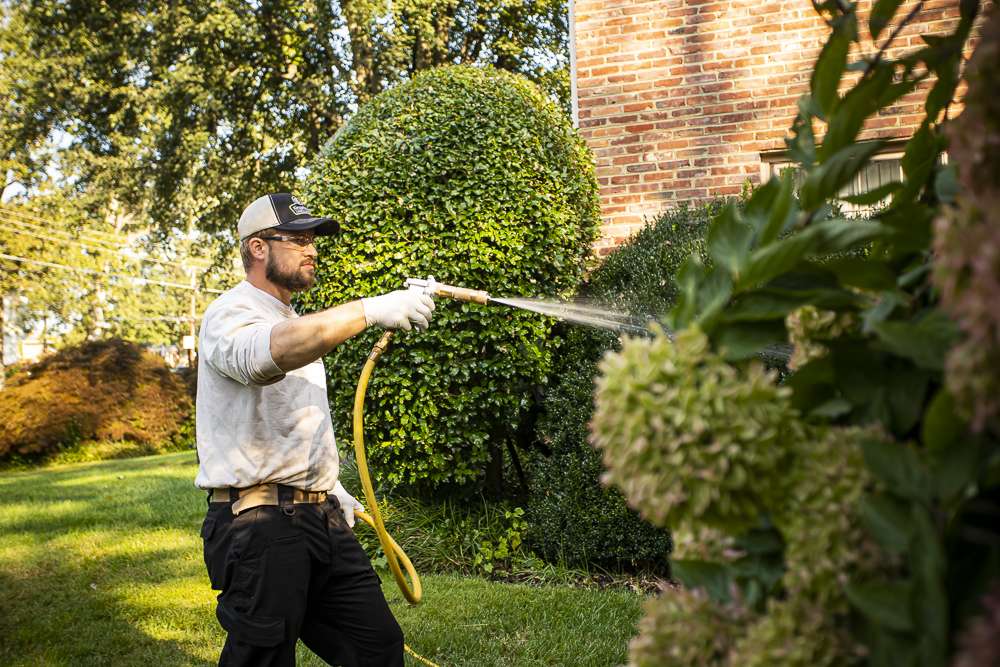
292, 572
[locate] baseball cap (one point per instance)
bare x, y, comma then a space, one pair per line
283, 212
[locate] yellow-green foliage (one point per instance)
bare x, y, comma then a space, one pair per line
684, 627
824, 546
809, 327
824, 540
687, 437
796, 632
105, 390
697, 443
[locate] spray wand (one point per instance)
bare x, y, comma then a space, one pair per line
434, 288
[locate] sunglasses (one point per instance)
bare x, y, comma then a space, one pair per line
301, 241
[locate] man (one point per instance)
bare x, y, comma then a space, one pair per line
277, 536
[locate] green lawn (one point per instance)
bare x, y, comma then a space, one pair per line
100, 563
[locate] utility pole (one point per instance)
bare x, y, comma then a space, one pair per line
3, 339
190, 342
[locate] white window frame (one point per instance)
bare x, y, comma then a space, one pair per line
772, 162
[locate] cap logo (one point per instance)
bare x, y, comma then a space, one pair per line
297, 207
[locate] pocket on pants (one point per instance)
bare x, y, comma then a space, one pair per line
213, 550
250, 629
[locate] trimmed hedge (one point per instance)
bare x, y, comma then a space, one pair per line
572, 517
101, 390
475, 177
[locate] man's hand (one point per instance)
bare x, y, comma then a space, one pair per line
348, 503
399, 310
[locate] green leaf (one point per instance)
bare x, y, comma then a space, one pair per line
921, 154
952, 448
782, 209
713, 578
821, 238
884, 603
882, 13
930, 601
874, 196
957, 468
825, 181
729, 240
831, 409
802, 144
832, 62
888, 520
864, 273
769, 304
925, 340
743, 340
887, 303
946, 184
899, 467
943, 91
761, 541
942, 426
905, 391
688, 278
712, 297
863, 100
812, 384
857, 369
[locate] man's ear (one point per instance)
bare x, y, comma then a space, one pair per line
258, 248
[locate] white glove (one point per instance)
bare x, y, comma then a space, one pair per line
397, 310
348, 503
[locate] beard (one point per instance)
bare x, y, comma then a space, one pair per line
294, 280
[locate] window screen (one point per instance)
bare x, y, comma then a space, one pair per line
883, 169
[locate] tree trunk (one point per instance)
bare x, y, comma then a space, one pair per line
494, 470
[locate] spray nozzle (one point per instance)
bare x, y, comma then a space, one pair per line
434, 288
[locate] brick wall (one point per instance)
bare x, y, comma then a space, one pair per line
678, 99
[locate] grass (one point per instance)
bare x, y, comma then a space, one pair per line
87, 451
100, 563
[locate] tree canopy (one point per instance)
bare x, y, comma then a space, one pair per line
184, 112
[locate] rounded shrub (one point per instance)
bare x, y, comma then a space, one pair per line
108, 390
474, 177
572, 517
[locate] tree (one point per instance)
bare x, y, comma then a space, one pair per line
61, 272
184, 112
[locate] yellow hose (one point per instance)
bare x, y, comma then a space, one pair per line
393, 552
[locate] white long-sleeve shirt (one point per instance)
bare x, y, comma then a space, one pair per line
256, 424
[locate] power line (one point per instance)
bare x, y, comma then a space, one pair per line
52, 227
137, 280
29, 216
107, 246
95, 248
11, 217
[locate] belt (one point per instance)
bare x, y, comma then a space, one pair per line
264, 494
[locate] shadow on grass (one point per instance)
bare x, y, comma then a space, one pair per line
101, 564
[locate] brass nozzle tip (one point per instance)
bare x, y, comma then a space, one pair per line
462, 294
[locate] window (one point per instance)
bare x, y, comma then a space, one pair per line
883, 168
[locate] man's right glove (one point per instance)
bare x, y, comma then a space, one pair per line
397, 310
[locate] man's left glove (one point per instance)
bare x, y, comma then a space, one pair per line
348, 503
